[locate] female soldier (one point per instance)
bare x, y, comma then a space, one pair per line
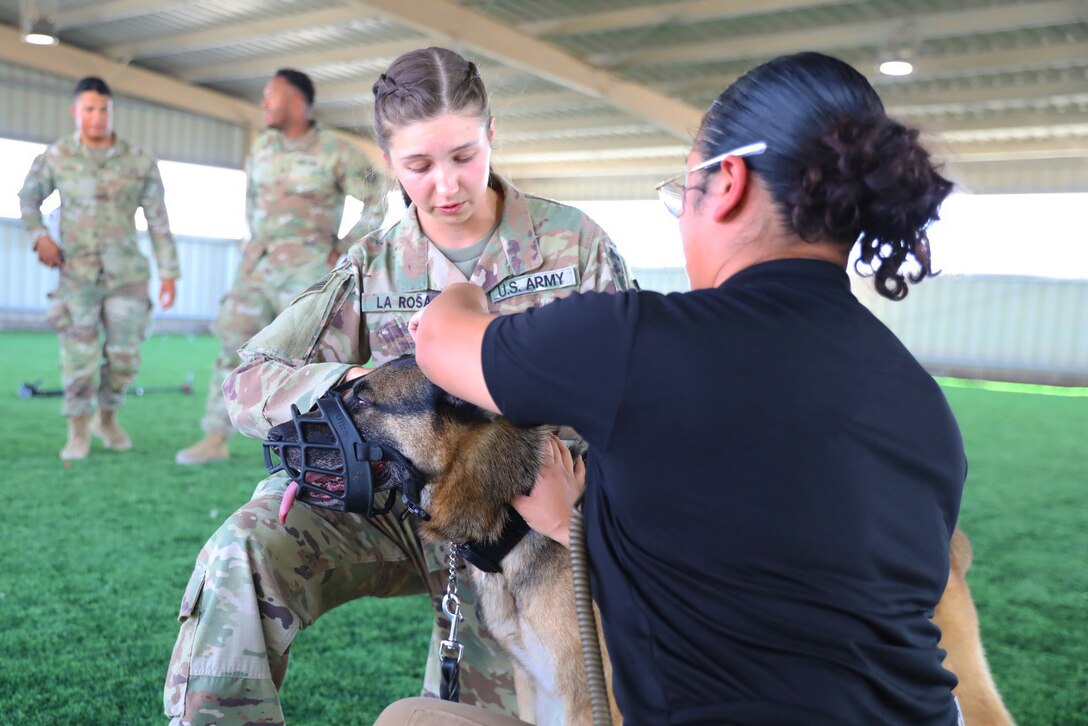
258, 582
814, 469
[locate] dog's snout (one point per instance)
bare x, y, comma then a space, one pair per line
275, 435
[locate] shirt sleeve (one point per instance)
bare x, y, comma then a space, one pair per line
153, 200
564, 363
251, 198
38, 186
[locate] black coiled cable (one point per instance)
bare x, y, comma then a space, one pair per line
587, 623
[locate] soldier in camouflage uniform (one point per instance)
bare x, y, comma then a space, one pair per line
298, 175
257, 582
103, 275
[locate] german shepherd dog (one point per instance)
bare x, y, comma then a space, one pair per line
472, 464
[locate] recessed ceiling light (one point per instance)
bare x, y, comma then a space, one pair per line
896, 68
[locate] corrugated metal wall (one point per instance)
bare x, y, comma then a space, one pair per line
1010, 328
35, 106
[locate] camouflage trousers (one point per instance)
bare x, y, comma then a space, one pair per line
101, 331
257, 583
264, 284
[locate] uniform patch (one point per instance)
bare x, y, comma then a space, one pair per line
534, 282
400, 302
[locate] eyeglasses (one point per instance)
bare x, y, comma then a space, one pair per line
671, 191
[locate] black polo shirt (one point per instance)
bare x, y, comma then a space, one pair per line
772, 487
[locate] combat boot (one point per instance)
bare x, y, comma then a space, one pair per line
104, 426
79, 438
213, 447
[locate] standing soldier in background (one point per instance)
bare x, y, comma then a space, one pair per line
298, 175
103, 275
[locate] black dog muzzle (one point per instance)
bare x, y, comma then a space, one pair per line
355, 453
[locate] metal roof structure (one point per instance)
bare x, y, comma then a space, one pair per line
601, 98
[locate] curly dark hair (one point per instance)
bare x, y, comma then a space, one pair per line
839, 169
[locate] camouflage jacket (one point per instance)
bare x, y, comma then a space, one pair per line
98, 204
296, 188
542, 250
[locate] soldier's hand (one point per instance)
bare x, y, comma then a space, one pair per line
167, 293
49, 253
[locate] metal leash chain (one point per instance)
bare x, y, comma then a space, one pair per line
450, 650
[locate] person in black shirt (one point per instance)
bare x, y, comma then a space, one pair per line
773, 479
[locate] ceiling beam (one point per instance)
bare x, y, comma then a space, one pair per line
657, 14
655, 170
947, 24
94, 13
1016, 120
914, 103
224, 35
267, 65
70, 62
548, 100
514, 47
640, 146
1035, 57
1004, 151
591, 122
524, 130
361, 91
931, 67
529, 130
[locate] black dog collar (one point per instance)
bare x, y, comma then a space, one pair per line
488, 556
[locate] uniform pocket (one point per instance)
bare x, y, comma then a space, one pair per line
191, 598
392, 339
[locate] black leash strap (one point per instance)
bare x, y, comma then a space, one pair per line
450, 690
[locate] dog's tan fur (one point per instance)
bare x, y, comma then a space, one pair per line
474, 463
958, 621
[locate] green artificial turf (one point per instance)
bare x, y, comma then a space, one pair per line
95, 556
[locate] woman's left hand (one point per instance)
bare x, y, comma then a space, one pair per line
559, 483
